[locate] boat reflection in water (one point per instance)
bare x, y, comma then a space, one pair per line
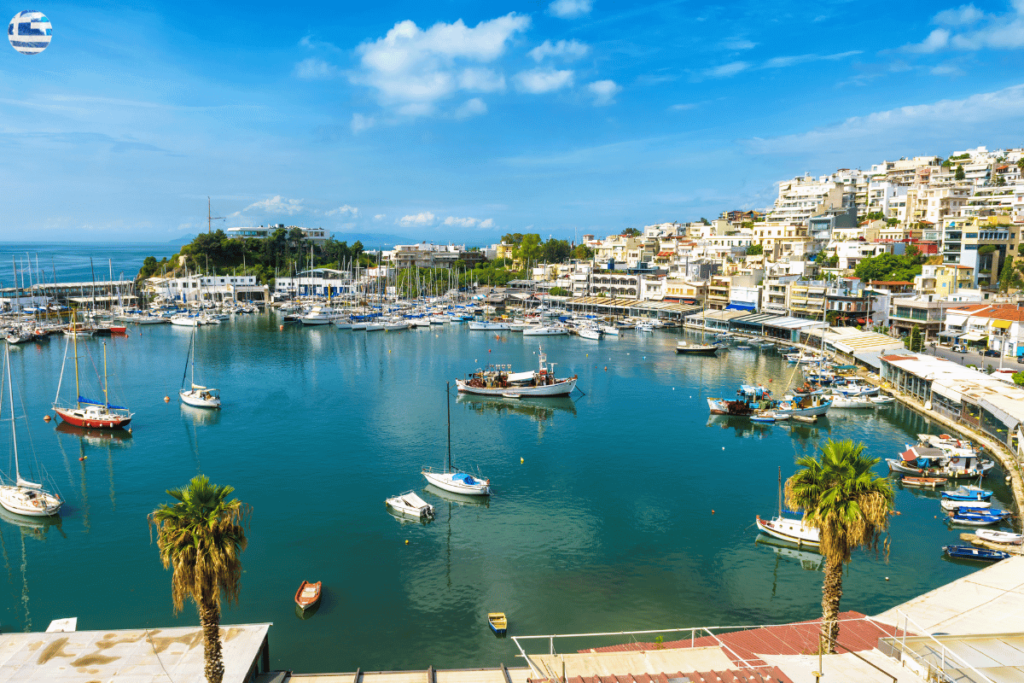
745, 428
540, 409
97, 437
808, 559
406, 519
37, 528
200, 416
33, 527
458, 499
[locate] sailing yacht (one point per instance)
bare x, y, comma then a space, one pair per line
452, 479
196, 395
24, 497
87, 412
788, 529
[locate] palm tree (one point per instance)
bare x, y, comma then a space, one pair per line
200, 538
850, 505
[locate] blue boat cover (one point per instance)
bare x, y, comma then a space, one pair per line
83, 399
464, 478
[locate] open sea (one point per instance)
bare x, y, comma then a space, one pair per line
625, 507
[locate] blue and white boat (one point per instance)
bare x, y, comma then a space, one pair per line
972, 517
451, 479
966, 552
967, 492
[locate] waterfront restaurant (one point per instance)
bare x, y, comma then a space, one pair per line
964, 395
781, 328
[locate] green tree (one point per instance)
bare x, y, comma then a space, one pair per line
513, 238
959, 175
915, 341
1018, 378
755, 250
631, 232
557, 251
200, 539
529, 250
582, 252
849, 505
559, 291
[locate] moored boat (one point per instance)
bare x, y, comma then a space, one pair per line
410, 504
690, 349
792, 530
978, 517
967, 492
88, 412
924, 482
308, 594
496, 381
964, 504
966, 552
993, 536
451, 479
498, 623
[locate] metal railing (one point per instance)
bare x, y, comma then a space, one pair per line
937, 659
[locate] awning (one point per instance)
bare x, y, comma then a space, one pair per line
1001, 324
950, 333
740, 307
973, 336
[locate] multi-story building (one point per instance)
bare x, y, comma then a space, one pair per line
999, 327
803, 197
718, 292
425, 255
926, 311
314, 235
807, 299
943, 280
685, 291
981, 243
849, 304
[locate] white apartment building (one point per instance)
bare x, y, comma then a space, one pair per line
315, 235
207, 288
937, 202
425, 255
803, 197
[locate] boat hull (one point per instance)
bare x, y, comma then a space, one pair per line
445, 482
697, 350
109, 421
782, 532
197, 401
560, 388
29, 502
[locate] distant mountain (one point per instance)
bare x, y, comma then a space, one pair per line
373, 240
186, 239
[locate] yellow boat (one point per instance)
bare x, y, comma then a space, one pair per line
498, 623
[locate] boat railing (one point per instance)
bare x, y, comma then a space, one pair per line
694, 632
937, 661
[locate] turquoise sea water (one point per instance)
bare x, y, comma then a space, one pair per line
630, 509
45, 262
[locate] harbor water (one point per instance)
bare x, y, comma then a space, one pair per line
624, 507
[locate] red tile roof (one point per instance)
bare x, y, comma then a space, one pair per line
761, 675
1008, 312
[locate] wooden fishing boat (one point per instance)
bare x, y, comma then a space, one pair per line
972, 517
924, 482
966, 552
498, 623
307, 595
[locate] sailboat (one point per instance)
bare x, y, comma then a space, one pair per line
196, 395
452, 479
87, 412
788, 529
24, 497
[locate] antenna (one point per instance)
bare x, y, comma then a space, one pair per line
209, 218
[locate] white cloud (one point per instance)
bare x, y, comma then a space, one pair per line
411, 69
276, 205
313, 69
461, 222
473, 107
739, 44
542, 80
417, 221
380, 216
604, 92
682, 107
782, 62
727, 70
568, 49
361, 122
964, 15
486, 223
570, 9
947, 70
941, 122
345, 210
996, 32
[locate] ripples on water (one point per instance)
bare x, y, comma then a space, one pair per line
631, 508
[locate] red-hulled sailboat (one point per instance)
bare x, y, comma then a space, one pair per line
87, 412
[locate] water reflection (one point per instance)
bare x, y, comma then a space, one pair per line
28, 527
808, 559
539, 409
97, 437
199, 416
407, 519
458, 499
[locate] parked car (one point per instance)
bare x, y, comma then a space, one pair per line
957, 348
1020, 359
990, 353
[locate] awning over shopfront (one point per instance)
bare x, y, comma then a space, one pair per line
1001, 324
973, 337
950, 333
740, 306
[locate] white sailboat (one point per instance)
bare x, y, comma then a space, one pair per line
24, 497
452, 479
197, 395
793, 530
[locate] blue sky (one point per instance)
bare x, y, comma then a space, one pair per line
462, 121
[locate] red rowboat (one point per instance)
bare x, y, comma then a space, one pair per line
924, 482
307, 595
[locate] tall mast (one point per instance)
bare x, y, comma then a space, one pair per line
14, 433
193, 357
448, 395
780, 490
106, 400
74, 336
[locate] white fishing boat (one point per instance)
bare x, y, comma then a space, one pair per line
185, 320
840, 401
610, 329
940, 460
321, 315
591, 333
410, 504
545, 330
452, 479
395, 325
374, 325
196, 395
993, 536
24, 497
483, 325
882, 400
498, 380
957, 504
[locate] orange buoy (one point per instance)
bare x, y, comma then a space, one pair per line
167, 399
46, 418
282, 328
712, 512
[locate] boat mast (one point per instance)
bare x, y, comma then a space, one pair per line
106, 400
193, 357
448, 396
780, 490
74, 337
14, 433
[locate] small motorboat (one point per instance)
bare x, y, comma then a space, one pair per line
968, 505
966, 552
510, 394
924, 482
307, 595
978, 517
967, 493
882, 400
498, 623
993, 536
410, 504
806, 419
764, 417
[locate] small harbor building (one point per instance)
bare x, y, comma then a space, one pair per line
215, 288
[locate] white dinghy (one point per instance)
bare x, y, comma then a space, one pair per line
410, 504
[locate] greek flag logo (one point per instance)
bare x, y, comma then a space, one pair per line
29, 32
